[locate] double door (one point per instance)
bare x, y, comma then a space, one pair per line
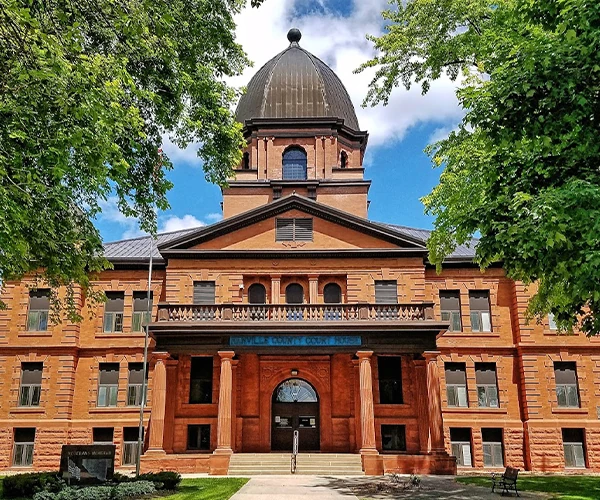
288, 417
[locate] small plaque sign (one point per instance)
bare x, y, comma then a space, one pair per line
295, 340
88, 463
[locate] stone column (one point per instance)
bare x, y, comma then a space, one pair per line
275, 289
422, 404
225, 404
367, 413
313, 288
436, 423
159, 397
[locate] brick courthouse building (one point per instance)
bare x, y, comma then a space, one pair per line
298, 312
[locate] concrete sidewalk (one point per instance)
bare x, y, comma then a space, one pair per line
353, 488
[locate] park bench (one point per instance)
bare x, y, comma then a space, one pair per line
506, 481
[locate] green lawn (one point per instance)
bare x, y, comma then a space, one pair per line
208, 488
564, 487
201, 489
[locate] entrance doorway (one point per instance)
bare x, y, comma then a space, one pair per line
295, 407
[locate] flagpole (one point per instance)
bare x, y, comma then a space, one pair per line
145, 368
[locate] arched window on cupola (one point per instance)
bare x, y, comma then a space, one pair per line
257, 294
294, 164
343, 159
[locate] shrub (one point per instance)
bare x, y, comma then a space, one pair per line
169, 480
26, 485
122, 478
118, 492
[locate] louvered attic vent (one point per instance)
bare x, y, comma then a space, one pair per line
293, 230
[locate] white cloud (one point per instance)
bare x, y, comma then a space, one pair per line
175, 223
214, 217
188, 155
340, 42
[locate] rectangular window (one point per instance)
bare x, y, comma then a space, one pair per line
386, 292
204, 292
479, 303
39, 306
493, 450
574, 447
567, 393
390, 379
135, 384
140, 316
108, 384
198, 437
450, 306
293, 229
130, 445
393, 437
113, 312
23, 447
31, 384
103, 435
487, 385
551, 322
460, 440
201, 379
456, 384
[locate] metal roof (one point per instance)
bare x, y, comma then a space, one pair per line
136, 249
296, 84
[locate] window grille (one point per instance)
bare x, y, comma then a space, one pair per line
140, 316
479, 303
39, 307
574, 448
393, 437
204, 292
456, 384
487, 385
130, 445
567, 393
450, 306
108, 384
31, 384
135, 384
198, 437
113, 312
294, 164
493, 451
23, 447
460, 440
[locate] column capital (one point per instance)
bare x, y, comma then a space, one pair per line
160, 357
431, 355
313, 277
364, 354
275, 277
226, 355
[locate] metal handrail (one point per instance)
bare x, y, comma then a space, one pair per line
295, 445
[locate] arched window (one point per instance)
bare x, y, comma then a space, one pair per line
246, 161
332, 293
257, 294
295, 390
294, 164
294, 294
343, 159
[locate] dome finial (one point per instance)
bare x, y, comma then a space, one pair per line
294, 35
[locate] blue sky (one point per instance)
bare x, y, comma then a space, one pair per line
333, 30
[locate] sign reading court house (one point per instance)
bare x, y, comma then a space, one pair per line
295, 340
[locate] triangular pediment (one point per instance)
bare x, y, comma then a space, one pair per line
333, 229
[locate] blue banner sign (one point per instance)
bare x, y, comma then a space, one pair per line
295, 340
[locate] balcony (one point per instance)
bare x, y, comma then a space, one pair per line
294, 312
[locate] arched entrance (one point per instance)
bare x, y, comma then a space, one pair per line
295, 407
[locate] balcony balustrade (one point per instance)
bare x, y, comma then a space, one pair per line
294, 312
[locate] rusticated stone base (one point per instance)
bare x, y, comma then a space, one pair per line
183, 463
434, 463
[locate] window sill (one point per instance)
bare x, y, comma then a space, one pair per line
28, 409
569, 411
474, 409
198, 452
121, 335
36, 333
464, 334
120, 409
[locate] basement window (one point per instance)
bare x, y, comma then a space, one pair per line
293, 230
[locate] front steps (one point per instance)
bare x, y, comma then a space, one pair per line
322, 464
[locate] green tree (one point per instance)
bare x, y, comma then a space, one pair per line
88, 89
523, 167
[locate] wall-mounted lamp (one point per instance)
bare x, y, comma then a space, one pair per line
241, 286
294, 372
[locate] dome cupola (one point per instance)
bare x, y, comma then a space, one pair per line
296, 84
